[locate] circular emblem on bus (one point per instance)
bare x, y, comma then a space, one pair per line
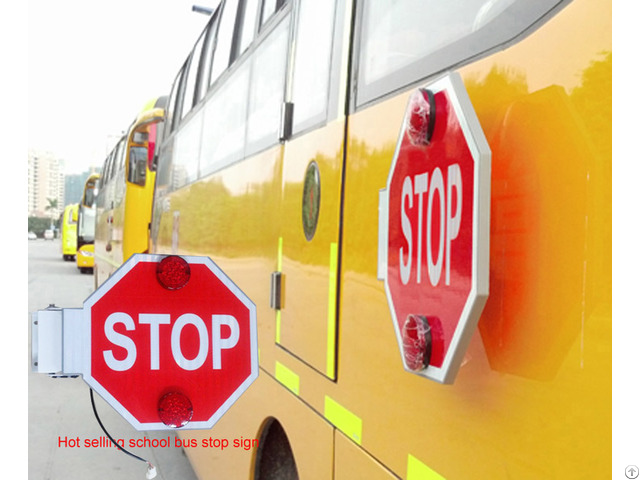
311, 200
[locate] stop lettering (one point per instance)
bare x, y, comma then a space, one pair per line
441, 212
154, 321
434, 229
173, 342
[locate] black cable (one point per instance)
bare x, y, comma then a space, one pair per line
121, 447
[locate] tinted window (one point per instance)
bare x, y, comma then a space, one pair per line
224, 42
224, 125
106, 169
248, 24
405, 40
269, 7
267, 88
172, 118
207, 54
312, 63
190, 98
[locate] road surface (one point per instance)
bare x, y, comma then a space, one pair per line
65, 439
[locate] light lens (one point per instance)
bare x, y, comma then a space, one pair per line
173, 272
175, 409
416, 342
421, 117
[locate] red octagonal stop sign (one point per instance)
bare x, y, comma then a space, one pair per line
435, 229
170, 344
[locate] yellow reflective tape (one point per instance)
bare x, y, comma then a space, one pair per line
287, 378
331, 311
416, 470
343, 419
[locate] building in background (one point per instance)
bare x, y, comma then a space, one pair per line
74, 185
46, 184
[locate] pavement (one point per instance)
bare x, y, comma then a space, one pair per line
65, 440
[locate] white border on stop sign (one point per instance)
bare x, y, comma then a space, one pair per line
84, 331
481, 153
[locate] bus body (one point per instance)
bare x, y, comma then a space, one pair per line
274, 93
87, 224
69, 232
126, 193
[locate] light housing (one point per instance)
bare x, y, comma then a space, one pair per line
173, 272
416, 342
421, 116
175, 409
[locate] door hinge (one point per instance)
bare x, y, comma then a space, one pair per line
275, 299
286, 121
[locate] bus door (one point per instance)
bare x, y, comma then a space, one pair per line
305, 285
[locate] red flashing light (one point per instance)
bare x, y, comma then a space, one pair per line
416, 342
421, 117
175, 409
173, 272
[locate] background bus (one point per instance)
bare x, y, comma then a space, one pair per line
87, 224
69, 232
126, 193
250, 117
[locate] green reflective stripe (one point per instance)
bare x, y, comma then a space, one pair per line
416, 470
343, 419
277, 326
287, 378
331, 311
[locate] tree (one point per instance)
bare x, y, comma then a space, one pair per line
52, 207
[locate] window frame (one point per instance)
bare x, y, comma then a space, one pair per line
174, 104
331, 108
496, 35
193, 84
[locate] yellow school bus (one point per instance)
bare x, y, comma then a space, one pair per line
283, 128
86, 227
126, 193
69, 231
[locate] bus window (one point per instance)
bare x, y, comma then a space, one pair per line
222, 54
248, 24
117, 160
267, 89
175, 102
118, 171
312, 63
89, 197
396, 48
107, 167
269, 7
207, 53
85, 228
190, 98
224, 122
138, 157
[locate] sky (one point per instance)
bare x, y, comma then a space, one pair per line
93, 65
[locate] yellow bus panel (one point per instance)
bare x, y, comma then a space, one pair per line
69, 231
294, 223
